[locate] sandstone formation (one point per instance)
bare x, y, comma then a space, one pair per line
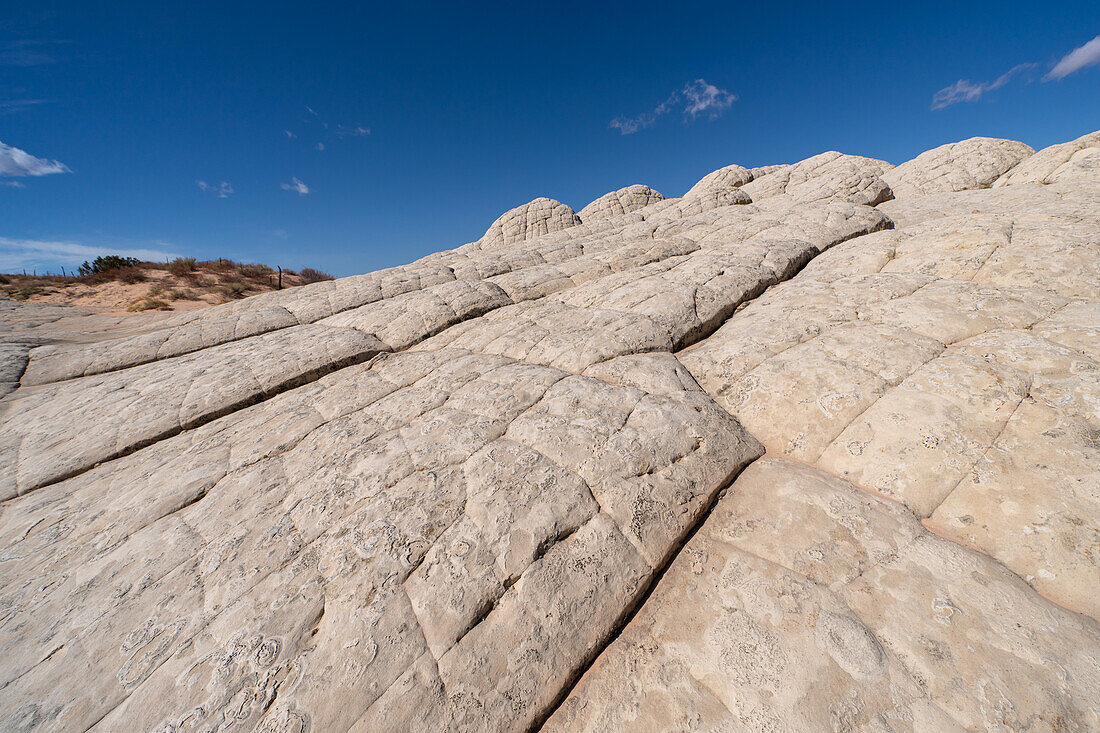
973, 163
622, 201
523, 483
1078, 158
540, 216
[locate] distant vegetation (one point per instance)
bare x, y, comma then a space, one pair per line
309, 275
182, 279
110, 262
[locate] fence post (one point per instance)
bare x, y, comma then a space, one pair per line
280, 276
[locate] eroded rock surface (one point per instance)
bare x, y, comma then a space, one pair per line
805, 603
951, 364
436, 496
969, 164
618, 202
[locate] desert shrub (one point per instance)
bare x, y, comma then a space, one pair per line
309, 275
155, 290
182, 294
182, 265
234, 289
256, 272
128, 275
148, 304
219, 264
4, 280
104, 264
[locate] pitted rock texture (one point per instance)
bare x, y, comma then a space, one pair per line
421, 506
827, 176
973, 163
618, 202
540, 216
805, 603
951, 364
436, 496
1077, 159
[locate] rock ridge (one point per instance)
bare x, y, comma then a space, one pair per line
522, 484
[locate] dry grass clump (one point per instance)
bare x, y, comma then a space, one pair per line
182, 266
309, 275
148, 304
234, 289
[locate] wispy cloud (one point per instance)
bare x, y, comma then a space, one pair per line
694, 99
221, 190
630, 125
16, 162
965, 90
317, 126
357, 131
28, 53
11, 184
296, 186
19, 105
706, 98
281, 234
16, 254
1077, 59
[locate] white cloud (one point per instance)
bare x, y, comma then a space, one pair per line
357, 131
703, 97
12, 184
630, 125
1077, 59
289, 133
16, 162
694, 99
320, 146
221, 190
297, 186
20, 105
16, 254
28, 53
281, 234
965, 90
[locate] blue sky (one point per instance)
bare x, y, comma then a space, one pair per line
350, 137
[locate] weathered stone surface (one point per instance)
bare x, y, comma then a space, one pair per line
539, 216
430, 497
13, 361
732, 176
805, 603
618, 202
829, 175
916, 363
52, 431
973, 163
1078, 159
425, 504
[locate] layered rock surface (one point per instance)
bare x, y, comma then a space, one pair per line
455, 494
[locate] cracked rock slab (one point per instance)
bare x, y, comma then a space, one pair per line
53, 431
973, 163
423, 526
915, 362
1075, 159
803, 598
